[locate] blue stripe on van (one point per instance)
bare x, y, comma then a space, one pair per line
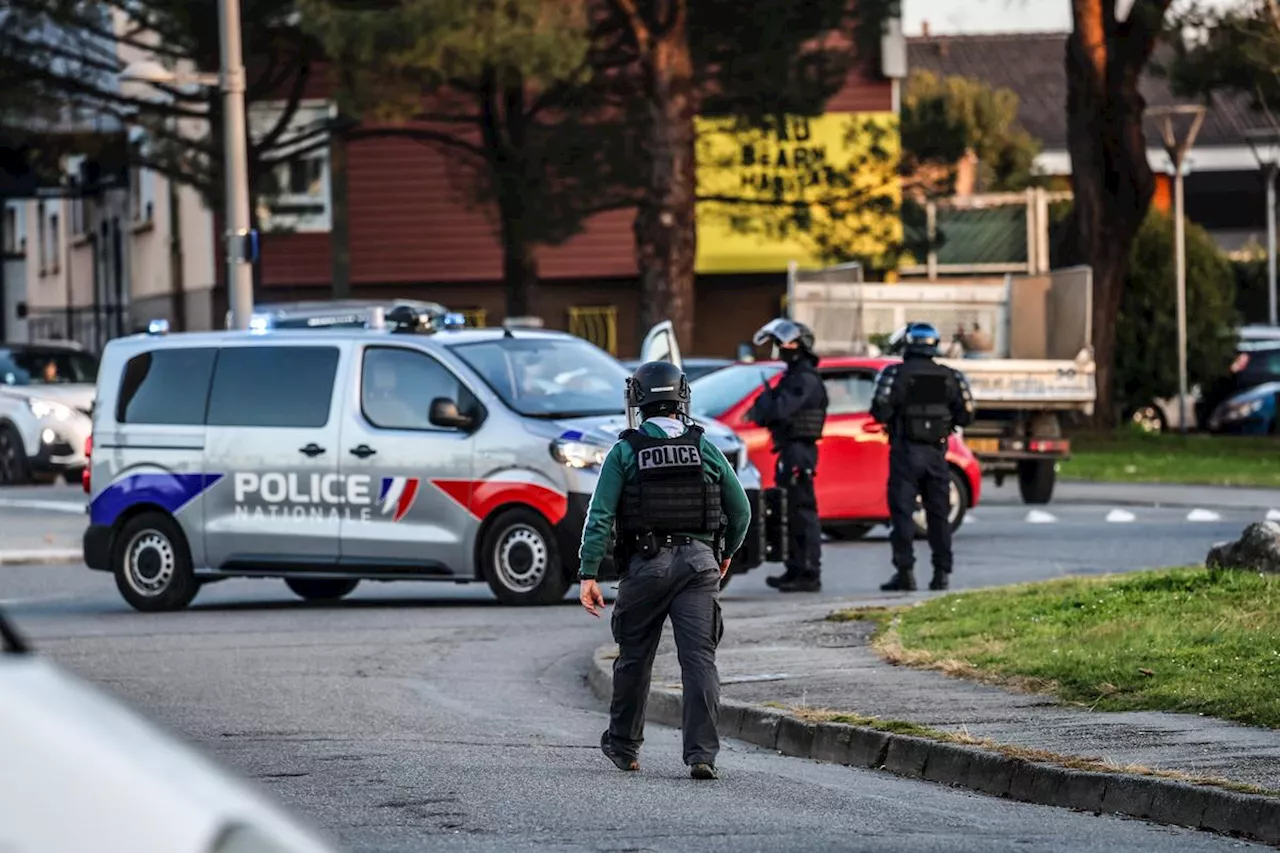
169, 491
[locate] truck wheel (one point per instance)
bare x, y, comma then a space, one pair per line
152, 564
958, 501
847, 532
1036, 479
519, 558
321, 589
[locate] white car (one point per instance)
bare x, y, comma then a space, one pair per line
46, 397
81, 772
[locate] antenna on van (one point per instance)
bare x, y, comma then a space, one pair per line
506, 332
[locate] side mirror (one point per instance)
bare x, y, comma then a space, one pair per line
444, 413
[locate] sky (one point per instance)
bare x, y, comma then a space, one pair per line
992, 16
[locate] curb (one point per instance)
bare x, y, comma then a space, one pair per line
1149, 798
41, 557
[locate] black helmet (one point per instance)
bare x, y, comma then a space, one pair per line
657, 382
915, 339
782, 332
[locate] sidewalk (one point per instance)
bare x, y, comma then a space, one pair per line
38, 536
796, 660
1154, 494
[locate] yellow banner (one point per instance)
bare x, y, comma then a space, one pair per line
816, 190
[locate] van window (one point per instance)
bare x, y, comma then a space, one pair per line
398, 385
166, 386
273, 386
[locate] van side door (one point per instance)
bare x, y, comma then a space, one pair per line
420, 473
272, 434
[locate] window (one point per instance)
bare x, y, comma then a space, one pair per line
10, 230
548, 377
55, 243
716, 393
398, 385
167, 386
273, 386
849, 393
295, 197
21, 365
42, 239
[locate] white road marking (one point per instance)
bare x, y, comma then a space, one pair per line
1273, 515
44, 506
41, 556
1120, 516
1039, 516
1203, 515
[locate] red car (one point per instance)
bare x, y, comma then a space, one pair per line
853, 454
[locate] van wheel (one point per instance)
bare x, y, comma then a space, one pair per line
321, 589
152, 564
14, 470
520, 560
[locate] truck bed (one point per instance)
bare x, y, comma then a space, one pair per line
1031, 385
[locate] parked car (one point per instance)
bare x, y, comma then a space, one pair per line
694, 368
46, 397
853, 467
83, 772
1251, 412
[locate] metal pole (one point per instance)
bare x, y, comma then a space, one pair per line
1180, 237
239, 271
1271, 241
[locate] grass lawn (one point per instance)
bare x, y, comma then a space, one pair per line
1131, 457
1185, 640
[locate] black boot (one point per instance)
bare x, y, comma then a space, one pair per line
801, 583
941, 580
776, 581
900, 582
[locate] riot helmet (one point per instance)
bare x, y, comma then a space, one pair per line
915, 339
791, 340
656, 388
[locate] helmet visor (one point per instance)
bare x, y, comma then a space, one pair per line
781, 331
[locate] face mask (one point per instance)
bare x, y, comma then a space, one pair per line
791, 356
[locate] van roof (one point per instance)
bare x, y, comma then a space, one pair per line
448, 337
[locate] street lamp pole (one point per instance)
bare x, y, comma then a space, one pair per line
1271, 241
1177, 151
239, 269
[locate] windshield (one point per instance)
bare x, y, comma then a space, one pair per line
31, 366
718, 392
549, 377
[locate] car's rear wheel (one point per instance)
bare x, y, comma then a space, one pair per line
152, 564
958, 503
321, 589
520, 560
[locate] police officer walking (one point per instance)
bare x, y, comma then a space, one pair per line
794, 411
676, 512
921, 402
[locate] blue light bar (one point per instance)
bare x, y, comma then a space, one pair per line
158, 327
454, 320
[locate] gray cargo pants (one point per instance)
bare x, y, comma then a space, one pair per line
682, 582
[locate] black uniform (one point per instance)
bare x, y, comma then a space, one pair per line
794, 412
921, 402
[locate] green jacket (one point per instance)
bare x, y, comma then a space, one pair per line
620, 466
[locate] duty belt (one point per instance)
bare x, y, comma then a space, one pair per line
673, 541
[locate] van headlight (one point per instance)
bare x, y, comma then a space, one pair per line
578, 454
1240, 411
48, 409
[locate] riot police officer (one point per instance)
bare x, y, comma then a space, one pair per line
794, 411
921, 403
676, 512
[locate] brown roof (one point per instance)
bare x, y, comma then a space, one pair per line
1034, 66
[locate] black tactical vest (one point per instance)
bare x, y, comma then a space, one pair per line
670, 493
926, 417
806, 424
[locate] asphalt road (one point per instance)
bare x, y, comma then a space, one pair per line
422, 717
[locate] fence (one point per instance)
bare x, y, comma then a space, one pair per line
598, 324
993, 233
90, 326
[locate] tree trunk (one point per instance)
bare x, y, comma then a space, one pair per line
665, 225
503, 125
1110, 178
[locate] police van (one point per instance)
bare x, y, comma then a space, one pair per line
410, 450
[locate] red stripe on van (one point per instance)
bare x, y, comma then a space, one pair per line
482, 497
